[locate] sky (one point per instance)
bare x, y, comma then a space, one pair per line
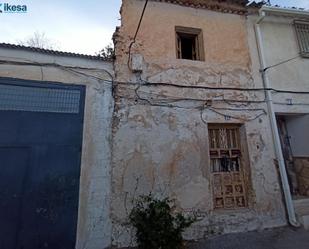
71, 25
74, 25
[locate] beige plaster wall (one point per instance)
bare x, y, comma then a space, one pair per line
225, 44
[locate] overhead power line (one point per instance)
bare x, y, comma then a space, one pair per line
170, 101
136, 33
146, 83
280, 63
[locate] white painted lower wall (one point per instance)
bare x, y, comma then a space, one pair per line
94, 225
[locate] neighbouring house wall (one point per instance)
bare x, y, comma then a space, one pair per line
94, 226
288, 71
163, 148
280, 44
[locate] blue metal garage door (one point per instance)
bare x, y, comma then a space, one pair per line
41, 127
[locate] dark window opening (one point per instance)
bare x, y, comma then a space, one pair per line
187, 47
189, 43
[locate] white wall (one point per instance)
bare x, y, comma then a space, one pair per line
280, 44
94, 226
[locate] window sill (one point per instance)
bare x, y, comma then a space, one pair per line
187, 60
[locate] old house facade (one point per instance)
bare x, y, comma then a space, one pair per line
191, 120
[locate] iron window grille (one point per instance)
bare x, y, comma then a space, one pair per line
302, 32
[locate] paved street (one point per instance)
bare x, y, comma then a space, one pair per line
280, 238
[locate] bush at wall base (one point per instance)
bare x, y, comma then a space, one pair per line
157, 226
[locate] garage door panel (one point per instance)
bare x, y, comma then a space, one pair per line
42, 157
14, 165
43, 128
52, 161
50, 216
39, 128
9, 128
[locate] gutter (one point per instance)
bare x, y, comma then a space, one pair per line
274, 127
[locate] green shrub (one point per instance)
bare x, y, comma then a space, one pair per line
157, 226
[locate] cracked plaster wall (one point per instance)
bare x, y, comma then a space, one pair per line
165, 149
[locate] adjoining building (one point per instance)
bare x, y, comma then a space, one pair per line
56, 112
282, 42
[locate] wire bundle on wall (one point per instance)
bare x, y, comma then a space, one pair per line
171, 101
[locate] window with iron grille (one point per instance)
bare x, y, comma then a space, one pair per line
189, 43
302, 32
227, 167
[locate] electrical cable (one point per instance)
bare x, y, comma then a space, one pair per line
174, 99
70, 69
136, 32
215, 88
240, 109
177, 99
242, 103
291, 104
66, 68
228, 115
213, 109
203, 107
167, 84
280, 63
73, 69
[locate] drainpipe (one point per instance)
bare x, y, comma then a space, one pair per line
274, 127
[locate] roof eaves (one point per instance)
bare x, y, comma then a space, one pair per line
291, 12
226, 6
52, 52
